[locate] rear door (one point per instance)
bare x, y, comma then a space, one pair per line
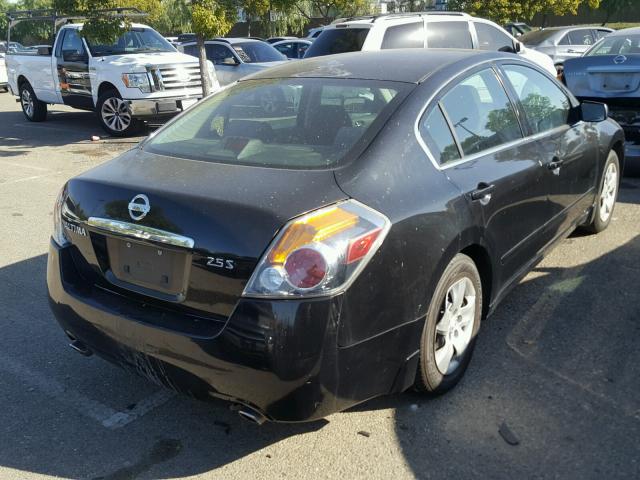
72, 65
476, 137
565, 148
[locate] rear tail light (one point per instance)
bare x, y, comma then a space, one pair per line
59, 235
319, 253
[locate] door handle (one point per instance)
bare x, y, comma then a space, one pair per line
571, 50
554, 165
483, 193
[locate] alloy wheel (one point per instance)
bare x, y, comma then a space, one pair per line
27, 102
115, 114
608, 193
455, 326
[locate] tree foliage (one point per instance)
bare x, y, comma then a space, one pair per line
504, 10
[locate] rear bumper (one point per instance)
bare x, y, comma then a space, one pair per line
160, 107
279, 357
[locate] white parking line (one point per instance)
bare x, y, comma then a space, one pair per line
25, 179
106, 416
14, 164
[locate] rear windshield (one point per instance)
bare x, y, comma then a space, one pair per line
283, 123
616, 45
337, 40
253, 52
537, 37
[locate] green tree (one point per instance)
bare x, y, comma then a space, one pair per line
4, 8
612, 6
504, 10
332, 9
209, 19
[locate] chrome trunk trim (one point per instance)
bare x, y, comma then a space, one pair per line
141, 232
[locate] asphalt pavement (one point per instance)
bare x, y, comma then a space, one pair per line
553, 390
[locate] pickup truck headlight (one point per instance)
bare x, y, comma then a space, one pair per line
137, 80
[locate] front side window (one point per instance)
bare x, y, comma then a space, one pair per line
448, 35
544, 103
480, 113
135, 40
286, 123
218, 53
491, 38
338, 40
438, 137
409, 35
72, 44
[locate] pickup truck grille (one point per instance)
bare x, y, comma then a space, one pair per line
176, 78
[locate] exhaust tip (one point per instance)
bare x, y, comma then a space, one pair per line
251, 415
81, 348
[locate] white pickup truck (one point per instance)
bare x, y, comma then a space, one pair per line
140, 77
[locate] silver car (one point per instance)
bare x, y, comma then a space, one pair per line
235, 58
562, 43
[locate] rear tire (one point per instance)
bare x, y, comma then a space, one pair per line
452, 323
607, 195
34, 110
115, 116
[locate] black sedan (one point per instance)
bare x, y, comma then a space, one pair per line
342, 241
610, 72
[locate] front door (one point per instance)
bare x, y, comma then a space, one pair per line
566, 148
498, 171
72, 63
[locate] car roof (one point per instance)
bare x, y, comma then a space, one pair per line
370, 20
626, 31
411, 65
79, 25
293, 40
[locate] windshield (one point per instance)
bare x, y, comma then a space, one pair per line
253, 52
616, 45
337, 40
283, 123
537, 37
136, 40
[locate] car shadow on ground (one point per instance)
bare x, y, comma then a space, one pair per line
59, 129
552, 391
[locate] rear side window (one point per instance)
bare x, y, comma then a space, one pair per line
491, 38
448, 35
481, 113
544, 103
436, 134
289, 123
580, 37
338, 40
409, 35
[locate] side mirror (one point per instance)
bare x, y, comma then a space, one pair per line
517, 46
507, 49
593, 111
230, 61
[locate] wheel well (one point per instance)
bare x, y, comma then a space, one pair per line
618, 147
105, 87
481, 258
22, 79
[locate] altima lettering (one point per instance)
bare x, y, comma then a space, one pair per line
78, 230
218, 262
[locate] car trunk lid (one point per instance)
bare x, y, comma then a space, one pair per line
606, 76
204, 228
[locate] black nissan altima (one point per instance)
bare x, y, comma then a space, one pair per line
330, 230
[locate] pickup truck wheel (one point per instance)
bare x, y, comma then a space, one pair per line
115, 116
33, 109
451, 326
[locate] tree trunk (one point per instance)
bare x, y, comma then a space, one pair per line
204, 69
